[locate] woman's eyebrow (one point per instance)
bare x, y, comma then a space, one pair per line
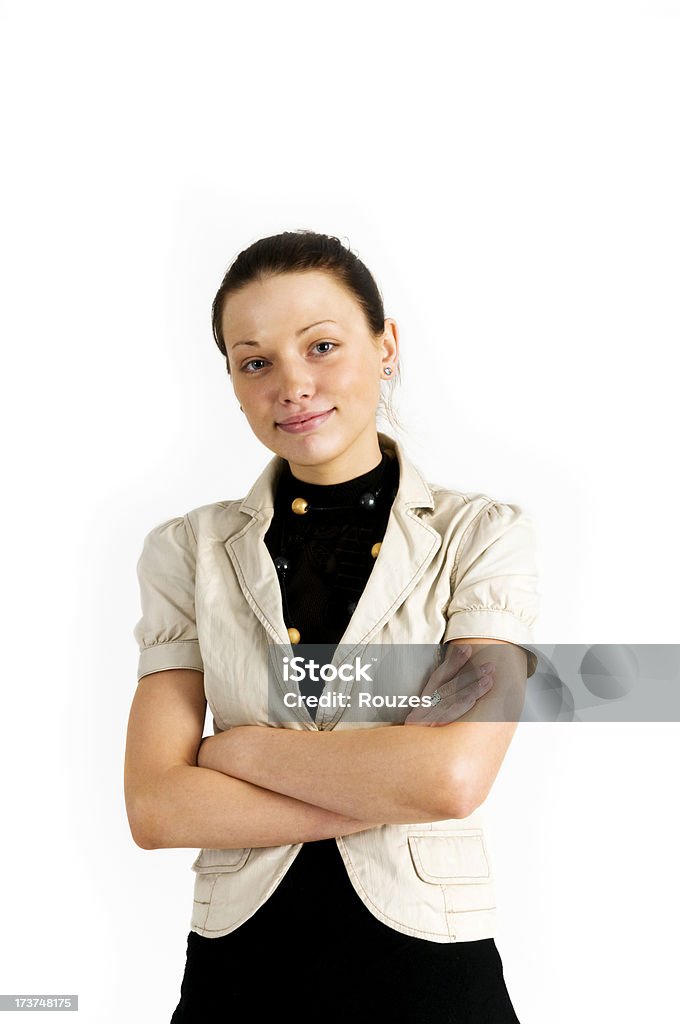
301, 331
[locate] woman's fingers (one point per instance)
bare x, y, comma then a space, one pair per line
467, 675
468, 678
455, 699
456, 685
454, 660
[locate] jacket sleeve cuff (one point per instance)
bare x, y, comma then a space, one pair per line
494, 624
173, 654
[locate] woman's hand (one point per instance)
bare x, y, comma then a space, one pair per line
458, 687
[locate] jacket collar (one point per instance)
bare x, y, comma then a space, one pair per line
407, 548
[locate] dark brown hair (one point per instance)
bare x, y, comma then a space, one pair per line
302, 250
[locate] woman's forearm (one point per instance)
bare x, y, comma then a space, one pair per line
197, 807
390, 773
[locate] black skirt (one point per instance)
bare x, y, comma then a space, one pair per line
315, 951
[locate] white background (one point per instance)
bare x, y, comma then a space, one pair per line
509, 172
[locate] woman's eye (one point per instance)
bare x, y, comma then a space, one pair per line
316, 344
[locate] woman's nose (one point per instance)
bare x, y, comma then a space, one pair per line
295, 383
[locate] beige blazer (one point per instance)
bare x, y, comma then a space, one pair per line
451, 565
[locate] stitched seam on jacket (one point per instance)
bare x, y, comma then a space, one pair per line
161, 643
386, 615
206, 903
485, 608
190, 528
249, 597
447, 913
463, 541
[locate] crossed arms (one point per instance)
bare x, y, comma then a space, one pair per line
263, 786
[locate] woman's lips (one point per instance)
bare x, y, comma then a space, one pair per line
310, 424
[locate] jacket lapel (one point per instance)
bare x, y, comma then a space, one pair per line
408, 547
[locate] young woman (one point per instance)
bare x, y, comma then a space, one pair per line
343, 872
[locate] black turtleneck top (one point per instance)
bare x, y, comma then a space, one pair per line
328, 548
330, 553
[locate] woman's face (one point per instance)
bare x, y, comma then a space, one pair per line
308, 350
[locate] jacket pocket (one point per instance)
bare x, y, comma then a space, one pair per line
216, 861
213, 867
450, 857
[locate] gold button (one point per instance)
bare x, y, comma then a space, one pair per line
299, 506
375, 549
293, 635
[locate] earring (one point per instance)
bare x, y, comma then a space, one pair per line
388, 369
